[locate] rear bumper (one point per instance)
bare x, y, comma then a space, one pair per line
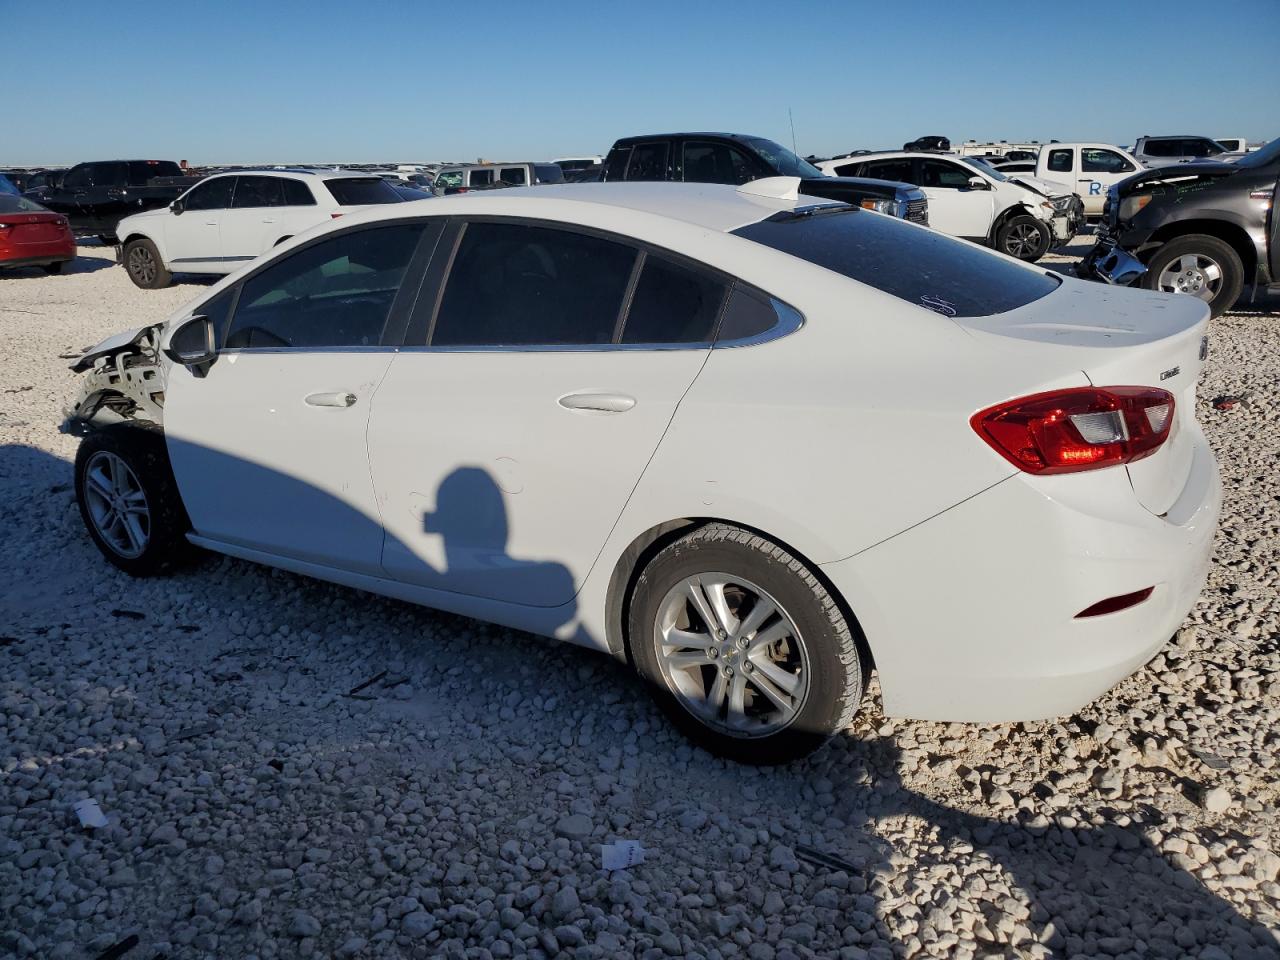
971, 616
38, 257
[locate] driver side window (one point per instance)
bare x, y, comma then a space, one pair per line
939, 173
1103, 161
336, 293
213, 194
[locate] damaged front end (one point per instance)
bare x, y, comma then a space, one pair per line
124, 380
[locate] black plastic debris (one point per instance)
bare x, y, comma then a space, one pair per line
196, 730
363, 686
823, 859
120, 949
128, 615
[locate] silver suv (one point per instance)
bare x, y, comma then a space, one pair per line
1166, 151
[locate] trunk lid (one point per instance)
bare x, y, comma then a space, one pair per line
1117, 337
35, 227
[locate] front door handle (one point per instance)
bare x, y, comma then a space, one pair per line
598, 402
340, 399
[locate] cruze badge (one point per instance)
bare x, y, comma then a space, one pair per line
1171, 372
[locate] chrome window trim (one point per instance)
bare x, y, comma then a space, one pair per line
789, 321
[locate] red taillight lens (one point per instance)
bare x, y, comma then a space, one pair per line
334, 216
1115, 604
1065, 431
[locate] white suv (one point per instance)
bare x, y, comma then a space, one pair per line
226, 220
973, 201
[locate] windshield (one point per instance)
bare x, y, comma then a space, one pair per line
985, 166
1261, 158
922, 267
781, 159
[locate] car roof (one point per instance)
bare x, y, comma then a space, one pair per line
688, 133
712, 206
293, 172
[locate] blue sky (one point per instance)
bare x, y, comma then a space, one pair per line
261, 81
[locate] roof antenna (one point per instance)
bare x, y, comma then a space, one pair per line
793, 131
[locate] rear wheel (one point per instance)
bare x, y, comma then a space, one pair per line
56, 267
129, 499
743, 647
146, 269
1199, 265
1024, 237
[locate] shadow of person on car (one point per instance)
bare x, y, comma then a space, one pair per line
1089, 889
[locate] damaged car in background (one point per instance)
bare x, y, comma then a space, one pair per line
1204, 229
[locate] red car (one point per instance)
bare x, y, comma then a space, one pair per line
32, 236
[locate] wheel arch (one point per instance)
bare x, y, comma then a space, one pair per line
647, 545
1233, 235
1017, 209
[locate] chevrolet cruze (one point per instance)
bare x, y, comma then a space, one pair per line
753, 443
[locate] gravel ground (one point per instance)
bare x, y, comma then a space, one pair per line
456, 806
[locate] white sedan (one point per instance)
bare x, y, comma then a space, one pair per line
753, 443
228, 219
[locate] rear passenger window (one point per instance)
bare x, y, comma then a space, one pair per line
336, 293
748, 314
648, 162
297, 194
672, 304
1060, 161
481, 178
256, 192
716, 163
512, 175
517, 285
899, 170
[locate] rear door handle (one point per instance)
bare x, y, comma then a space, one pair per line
598, 402
339, 399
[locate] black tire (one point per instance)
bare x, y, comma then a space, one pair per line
145, 268
56, 268
833, 648
141, 447
1200, 246
1025, 237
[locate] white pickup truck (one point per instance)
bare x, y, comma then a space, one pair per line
1087, 169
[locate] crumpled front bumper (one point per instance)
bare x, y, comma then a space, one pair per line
1109, 263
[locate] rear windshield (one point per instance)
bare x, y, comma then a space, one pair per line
548, 173
929, 269
12, 204
357, 192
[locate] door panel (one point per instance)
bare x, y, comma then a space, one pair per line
253, 223
261, 467
194, 236
501, 474
954, 208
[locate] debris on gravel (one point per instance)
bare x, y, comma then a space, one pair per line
457, 805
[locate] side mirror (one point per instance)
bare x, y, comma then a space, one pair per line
177, 208
193, 344
977, 183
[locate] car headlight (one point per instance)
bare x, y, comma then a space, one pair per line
1048, 208
1130, 206
880, 206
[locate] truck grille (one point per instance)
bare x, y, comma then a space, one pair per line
918, 212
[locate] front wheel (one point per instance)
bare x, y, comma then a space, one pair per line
55, 268
129, 499
146, 269
743, 647
1200, 265
1024, 237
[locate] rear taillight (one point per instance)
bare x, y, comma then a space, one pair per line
1065, 431
334, 216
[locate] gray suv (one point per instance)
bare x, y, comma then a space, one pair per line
1155, 152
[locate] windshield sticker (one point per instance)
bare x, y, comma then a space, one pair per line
938, 305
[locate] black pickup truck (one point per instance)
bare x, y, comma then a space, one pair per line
738, 158
1206, 229
96, 196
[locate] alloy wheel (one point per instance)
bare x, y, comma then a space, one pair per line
142, 265
732, 655
117, 504
1192, 273
1022, 240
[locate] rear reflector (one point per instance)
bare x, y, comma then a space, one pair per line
1115, 604
1065, 431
